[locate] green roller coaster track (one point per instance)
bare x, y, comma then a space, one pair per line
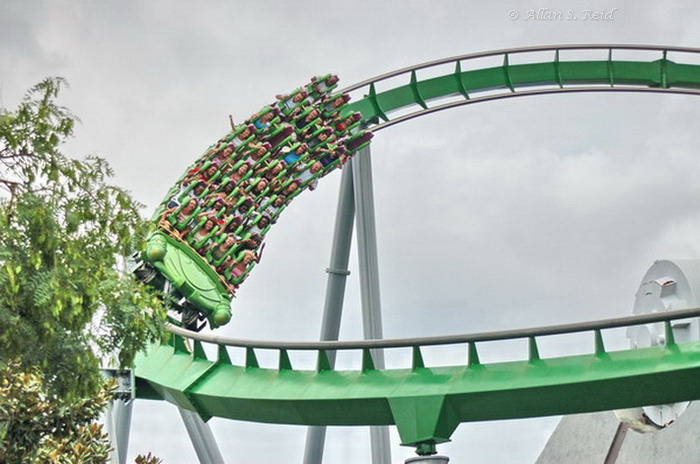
428, 403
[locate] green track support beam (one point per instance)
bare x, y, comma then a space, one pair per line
416, 92
472, 355
557, 74
533, 351
506, 73
284, 362
458, 80
375, 103
222, 355
251, 361
668, 332
417, 359
599, 344
664, 75
323, 363
179, 344
198, 351
367, 361
430, 420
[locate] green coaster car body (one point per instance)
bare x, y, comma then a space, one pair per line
190, 276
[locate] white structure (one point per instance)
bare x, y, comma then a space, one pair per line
665, 433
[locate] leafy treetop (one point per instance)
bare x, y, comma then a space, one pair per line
64, 303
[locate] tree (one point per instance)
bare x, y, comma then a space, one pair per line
64, 303
37, 427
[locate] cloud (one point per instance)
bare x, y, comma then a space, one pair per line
524, 212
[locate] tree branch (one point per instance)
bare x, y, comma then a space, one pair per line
9, 184
15, 155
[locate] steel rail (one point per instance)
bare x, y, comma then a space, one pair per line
512, 51
560, 329
526, 93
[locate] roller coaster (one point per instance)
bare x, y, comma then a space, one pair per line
208, 232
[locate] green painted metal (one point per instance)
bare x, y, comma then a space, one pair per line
377, 110
660, 73
428, 403
285, 363
416, 93
417, 358
599, 344
182, 267
473, 355
458, 80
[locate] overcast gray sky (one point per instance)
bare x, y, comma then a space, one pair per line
516, 213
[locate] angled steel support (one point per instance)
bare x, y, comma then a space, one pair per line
355, 192
117, 422
202, 439
340, 256
335, 293
117, 417
122, 421
369, 281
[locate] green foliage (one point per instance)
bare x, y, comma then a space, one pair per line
38, 427
64, 305
148, 459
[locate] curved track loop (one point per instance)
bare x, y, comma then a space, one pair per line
552, 73
427, 403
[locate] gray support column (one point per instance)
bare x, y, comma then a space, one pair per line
202, 439
117, 423
340, 257
117, 417
121, 413
616, 445
335, 294
369, 281
107, 420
